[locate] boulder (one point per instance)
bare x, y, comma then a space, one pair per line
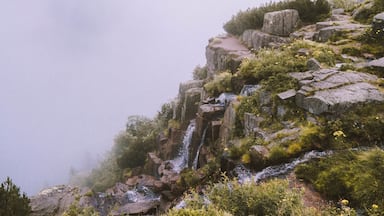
256, 39
313, 64
259, 155
331, 91
281, 23
379, 63
139, 208
145, 180
287, 94
225, 53
53, 201
327, 30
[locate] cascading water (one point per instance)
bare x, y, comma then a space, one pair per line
195, 161
272, 171
181, 161
140, 194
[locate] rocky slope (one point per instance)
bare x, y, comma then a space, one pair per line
322, 91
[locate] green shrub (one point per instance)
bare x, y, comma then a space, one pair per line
75, 210
309, 12
12, 202
351, 175
200, 73
269, 198
277, 155
220, 83
347, 5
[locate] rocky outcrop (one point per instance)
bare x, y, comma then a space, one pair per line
190, 94
331, 91
227, 128
191, 104
168, 149
329, 29
281, 23
56, 200
256, 39
225, 53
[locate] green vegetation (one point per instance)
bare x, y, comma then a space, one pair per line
12, 203
200, 73
129, 152
367, 13
75, 210
309, 12
220, 83
347, 5
354, 176
231, 198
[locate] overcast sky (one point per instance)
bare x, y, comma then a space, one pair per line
72, 71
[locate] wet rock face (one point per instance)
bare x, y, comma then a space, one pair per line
331, 91
225, 53
281, 23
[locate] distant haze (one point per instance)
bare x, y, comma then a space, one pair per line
72, 71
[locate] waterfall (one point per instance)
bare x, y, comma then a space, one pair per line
277, 170
196, 160
181, 161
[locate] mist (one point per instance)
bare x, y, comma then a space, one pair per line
72, 71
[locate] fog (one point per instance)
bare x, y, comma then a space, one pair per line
72, 71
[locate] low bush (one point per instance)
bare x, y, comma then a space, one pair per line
310, 11
220, 83
354, 176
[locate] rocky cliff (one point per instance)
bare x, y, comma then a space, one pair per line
321, 91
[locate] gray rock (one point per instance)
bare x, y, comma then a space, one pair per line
229, 123
256, 39
225, 53
378, 24
53, 201
287, 94
281, 23
377, 63
191, 104
325, 33
338, 11
331, 91
139, 208
248, 90
251, 122
313, 64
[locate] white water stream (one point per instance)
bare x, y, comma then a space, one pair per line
181, 161
245, 175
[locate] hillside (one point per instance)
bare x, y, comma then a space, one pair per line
285, 118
